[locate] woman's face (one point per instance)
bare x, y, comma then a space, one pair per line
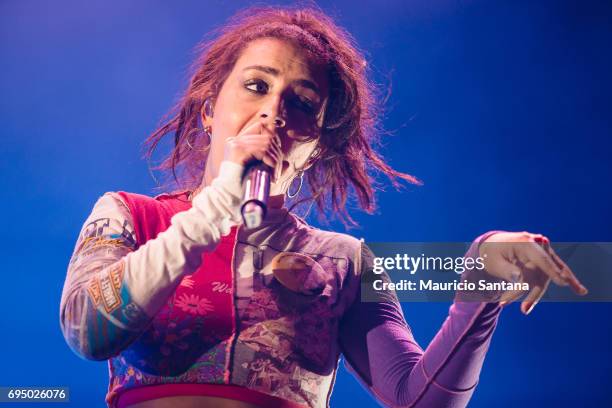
271, 78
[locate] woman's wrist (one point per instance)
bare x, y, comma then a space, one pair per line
222, 198
230, 177
475, 275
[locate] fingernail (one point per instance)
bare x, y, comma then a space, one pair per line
530, 308
516, 276
525, 309
583, 290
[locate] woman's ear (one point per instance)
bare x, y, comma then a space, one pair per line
312, 159
206, 113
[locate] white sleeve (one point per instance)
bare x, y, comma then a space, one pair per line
156, 267
109, 282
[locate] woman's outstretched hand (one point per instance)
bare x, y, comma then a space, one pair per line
526, 257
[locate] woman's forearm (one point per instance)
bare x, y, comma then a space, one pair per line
113, 288
448, 371
176, 252
381, 350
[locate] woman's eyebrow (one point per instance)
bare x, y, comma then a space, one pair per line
306, 83
264, 68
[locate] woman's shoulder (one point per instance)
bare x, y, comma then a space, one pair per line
109, 212
124, 202
343, 237
110, 205
123, 196
338, 243
109, 217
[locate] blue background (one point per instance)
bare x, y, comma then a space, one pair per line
502, 108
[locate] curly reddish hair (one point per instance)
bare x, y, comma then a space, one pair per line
350, 128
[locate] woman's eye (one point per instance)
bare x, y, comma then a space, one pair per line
256, 86
305, 104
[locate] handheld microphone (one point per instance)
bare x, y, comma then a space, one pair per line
256, 193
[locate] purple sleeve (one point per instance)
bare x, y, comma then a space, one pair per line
380, 350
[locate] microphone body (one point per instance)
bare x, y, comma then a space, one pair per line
256, 193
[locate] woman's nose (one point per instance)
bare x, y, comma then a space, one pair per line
272, 112
277, 122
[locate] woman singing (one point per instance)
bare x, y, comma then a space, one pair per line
192, 309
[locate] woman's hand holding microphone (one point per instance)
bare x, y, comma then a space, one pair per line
255, 142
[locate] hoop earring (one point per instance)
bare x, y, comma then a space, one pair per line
300, 186
207, 132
